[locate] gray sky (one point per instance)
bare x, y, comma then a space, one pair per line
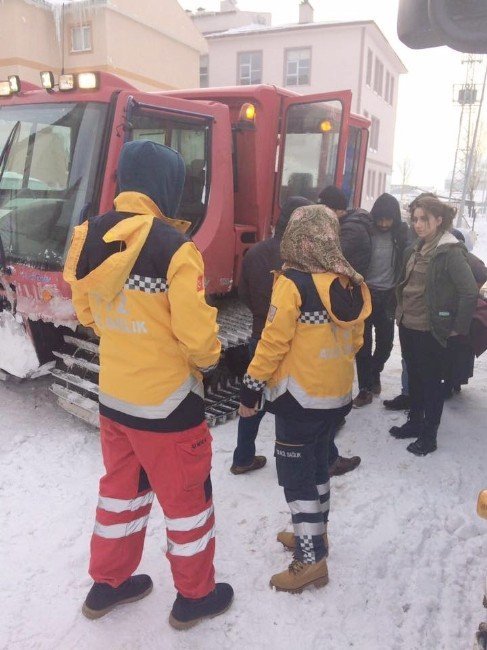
427, 120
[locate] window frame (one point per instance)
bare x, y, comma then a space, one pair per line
250, 53
83, 27
390, 99
207, 68
369, 68
378, 76
289, 50
374, 133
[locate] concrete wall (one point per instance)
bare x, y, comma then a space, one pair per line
152, 45
338, 62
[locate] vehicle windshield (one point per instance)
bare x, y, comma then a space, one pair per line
47, 176
310, 148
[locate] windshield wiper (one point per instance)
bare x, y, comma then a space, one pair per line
7, 148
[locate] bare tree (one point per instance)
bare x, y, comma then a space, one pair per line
405, 169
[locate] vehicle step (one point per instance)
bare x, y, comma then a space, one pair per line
82, 407
81, 343
75, 380
71, 361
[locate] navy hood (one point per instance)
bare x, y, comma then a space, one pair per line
154, 170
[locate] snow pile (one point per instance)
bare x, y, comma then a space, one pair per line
407, 551
17, 352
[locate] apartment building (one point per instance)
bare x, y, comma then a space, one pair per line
151, 44
309, 57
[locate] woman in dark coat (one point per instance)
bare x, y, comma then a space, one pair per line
436, 300
460, 356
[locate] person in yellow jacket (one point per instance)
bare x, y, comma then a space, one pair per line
305, 363
138, 281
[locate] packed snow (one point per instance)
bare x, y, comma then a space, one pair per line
407, 551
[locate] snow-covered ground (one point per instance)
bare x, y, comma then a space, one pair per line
408, 553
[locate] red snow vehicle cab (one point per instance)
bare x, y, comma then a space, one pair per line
246, 149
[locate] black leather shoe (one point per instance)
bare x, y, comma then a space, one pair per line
187, 612
399, 403
102, 598
410, 429
422, 446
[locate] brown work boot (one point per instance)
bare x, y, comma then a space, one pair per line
343, 465
298, 576
363, 398
288, 540
257, 463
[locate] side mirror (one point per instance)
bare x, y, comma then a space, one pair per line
460, 24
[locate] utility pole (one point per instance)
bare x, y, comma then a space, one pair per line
467, 96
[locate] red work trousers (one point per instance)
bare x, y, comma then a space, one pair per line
174, 466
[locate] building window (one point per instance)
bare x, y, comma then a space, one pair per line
378, 76
390, 99
81, 38
249, 68
388, 86
204, 71
374, 133
368, 74
298, 67
372, 186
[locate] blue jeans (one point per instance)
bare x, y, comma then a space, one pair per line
248, 428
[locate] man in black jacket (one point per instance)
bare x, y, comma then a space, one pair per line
389, 239
355, 228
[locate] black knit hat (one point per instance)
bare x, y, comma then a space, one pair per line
386, 207
333, 198
288, 207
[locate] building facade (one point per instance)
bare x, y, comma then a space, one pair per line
153, 45
309, 57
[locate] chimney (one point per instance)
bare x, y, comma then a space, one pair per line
305, 12
228, 5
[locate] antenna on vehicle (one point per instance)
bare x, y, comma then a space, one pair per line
62, 39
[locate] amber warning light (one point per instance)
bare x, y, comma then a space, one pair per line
326, 126
247, 113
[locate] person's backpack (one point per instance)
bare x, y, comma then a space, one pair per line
478, 327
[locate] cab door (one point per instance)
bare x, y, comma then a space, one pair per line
313, 141
201, 132
355, 158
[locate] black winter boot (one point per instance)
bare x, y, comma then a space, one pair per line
187, 612
102, 598
399, 403
412, 428
425, 444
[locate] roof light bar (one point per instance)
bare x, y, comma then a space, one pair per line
14, 82
5, 90
47, 80
88, 80
67, 82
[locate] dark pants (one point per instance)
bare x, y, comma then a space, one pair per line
248, 428
424, 358
370, 365
301, 453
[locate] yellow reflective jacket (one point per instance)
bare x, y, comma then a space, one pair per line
307, 351
139, 283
